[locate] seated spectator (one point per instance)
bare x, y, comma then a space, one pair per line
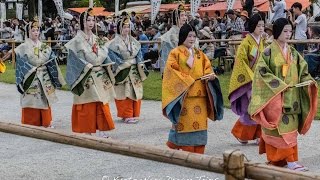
6, 31
210, 51
268, 30
312, 57
4, 48
245, 17
205, 34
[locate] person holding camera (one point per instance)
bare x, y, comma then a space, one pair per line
278, 7
300, 24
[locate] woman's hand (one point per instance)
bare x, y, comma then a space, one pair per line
211, 77
208, 77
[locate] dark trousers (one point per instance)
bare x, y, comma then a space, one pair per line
300, 48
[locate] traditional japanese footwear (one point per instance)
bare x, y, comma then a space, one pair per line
242, 141
103, 134
131, 121
296, 167
51, 127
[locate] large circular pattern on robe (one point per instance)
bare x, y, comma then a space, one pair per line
241, 78
180, 127
263, 71
295, 106
197, 109
184, 111
195, 125
274, 83
179, 87
285, 119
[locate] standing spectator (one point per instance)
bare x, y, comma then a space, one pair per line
235, 29
247, 6
236, 24
301, 25
278, 8
143, 37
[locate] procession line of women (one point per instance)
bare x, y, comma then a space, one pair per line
270, 87
97, 74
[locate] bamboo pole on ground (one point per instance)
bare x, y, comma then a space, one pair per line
182, 158
267, 172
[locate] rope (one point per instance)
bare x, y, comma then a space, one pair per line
228, 170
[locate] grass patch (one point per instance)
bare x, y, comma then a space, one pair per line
151, 87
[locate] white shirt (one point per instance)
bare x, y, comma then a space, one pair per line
279, 7
17, 34
301, 27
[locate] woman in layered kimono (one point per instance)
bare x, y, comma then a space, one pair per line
91, 80
190, 94
284, 98
37, 77
241, 80
169, 40
130, 72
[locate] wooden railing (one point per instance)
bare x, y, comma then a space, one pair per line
228, 41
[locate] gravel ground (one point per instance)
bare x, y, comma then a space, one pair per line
27, 158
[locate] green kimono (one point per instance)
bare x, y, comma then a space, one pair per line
282, 109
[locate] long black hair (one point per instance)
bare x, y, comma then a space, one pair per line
254, 20
184, 32
84, 16
278, 26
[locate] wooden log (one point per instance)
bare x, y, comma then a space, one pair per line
267, 172
182, 158
234, 165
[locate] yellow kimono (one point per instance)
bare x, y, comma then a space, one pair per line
186, 100
240, 87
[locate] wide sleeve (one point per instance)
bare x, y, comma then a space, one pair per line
25, 73
55, 72
242, 74
175, 84
266, 101
308, 97
77, 72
